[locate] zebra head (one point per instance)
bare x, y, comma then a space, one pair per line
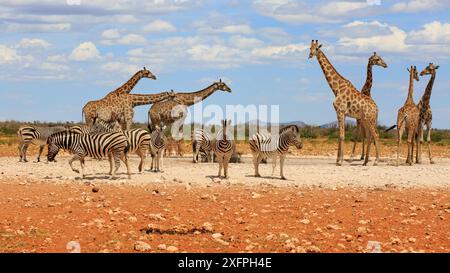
292, 135
53, 149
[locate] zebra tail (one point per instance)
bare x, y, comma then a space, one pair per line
390, 128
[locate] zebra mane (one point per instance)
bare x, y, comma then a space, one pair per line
288, 127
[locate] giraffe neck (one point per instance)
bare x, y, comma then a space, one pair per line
334, 79
129, 85
139, 99
368, 84
427, 95
410, 98
189, 99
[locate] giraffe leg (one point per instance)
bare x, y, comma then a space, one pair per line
400, 129
410, 148
353, 150
419, 142
373, 137
368, 147
429, 143
340, 156
363, 140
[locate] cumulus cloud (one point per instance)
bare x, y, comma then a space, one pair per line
159, 26
419, 5
8, 55
119, 37
84, 52
431, 33
33, 43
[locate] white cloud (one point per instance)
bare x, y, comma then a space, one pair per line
33, 43
117, 37
419, 5
112, 33
8, 55
84, 52
159, 26
245, 42
54, 66
38, 27
120, 67
279, 52
431, 33
389, 38
59, 58
216, 25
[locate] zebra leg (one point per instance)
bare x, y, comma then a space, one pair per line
110, 163
125, 160
256, 159
142, 155
24, 151
82, 167
225, 165
41, 148
220, 166
76, 157
20, 151
162, 159
282, 158
274, 164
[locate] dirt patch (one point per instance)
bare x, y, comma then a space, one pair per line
39, 216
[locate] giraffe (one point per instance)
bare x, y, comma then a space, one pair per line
349, 102
375, 59
90, 109
425, 113
124, 104
408, 118
174, 110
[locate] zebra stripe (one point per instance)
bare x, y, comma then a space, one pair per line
99, 126
223, 148
112, 145
157, 147
139, 141
37, 135
202, 144
264, 146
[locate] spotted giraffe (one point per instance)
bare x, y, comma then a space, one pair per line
425, 113
121, 101
348, 103
376, 60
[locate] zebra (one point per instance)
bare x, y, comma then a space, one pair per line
157, 146
223, 148
113, 145
202, 144
139, 140
98, 126
37, 135
264, 146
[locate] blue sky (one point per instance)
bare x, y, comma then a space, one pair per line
56, 55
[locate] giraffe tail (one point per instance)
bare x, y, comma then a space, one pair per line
390, 128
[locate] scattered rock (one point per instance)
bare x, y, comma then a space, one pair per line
142, 246
305, 221
172, 249
162, 247
95, 189
208, 227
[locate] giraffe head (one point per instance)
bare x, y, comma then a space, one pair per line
375, 59
147, 74
315, 48
413, 71
220, 85
429, 70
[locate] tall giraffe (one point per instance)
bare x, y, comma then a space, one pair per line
426, 115
376, 60
91, 108
348, 103
123, 105
408, 118
174, 110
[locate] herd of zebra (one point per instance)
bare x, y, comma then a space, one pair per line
107, 139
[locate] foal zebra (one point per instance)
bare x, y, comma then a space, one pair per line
113, 145
37, 135
263, 146
202, 144
157, 146
223, 148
